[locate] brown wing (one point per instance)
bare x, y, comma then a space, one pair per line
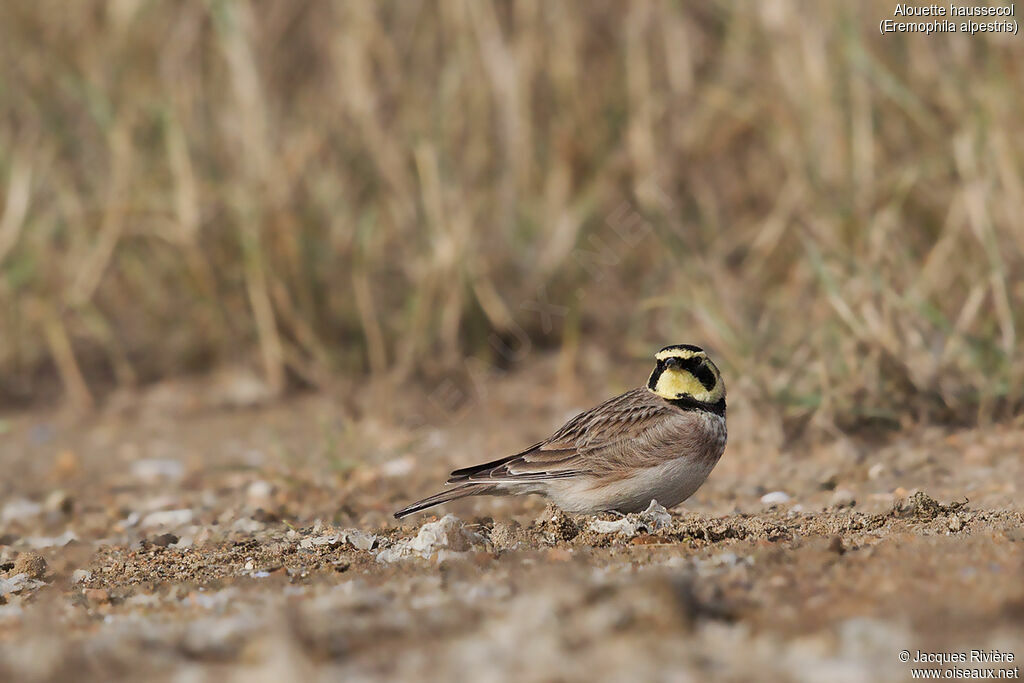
581, 446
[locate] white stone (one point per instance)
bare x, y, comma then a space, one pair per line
624, 526
775, 498
653, 518
37, 542
153, 470
445, 537
248, 525
20, 508
843, 498
18, 583
167, 518
260, 490
360, 540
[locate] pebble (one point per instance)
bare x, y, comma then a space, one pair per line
51, 541
505, 535
98, 596
248, 525
843, 498
59, 501
876, 471
16, 584
20, 508
828, 481
31, 564
775, 498
164, 540
333, 541
153, 470
167, 518
445, 536
955, 523
264, 517
360, 540
260, 491
81, 576
624, 526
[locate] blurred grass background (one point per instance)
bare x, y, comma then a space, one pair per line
350, 188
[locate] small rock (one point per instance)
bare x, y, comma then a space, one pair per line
876, 471
922, 506
31, 564
59, 501
97, 596
955, 523
843, 498
360, 540
164, 540
656, 516
248, 525
16, 584
625, 526
167, 518
653, 518
445, 536
260, 491
154, 470
557, 525
333, 541
264, 517
775, 498
81, 576
505, 535
20, 508
51, 541
828, 481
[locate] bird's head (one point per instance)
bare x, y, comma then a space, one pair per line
685, 373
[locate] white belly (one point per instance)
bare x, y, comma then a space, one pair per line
670, 483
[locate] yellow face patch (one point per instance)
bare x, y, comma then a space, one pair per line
675, 384
686, 372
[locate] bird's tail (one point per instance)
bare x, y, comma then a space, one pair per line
445, 496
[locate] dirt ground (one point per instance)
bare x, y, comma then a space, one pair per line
187, 534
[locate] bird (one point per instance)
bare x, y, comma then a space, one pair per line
656, 442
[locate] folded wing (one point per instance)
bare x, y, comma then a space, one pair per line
582, 446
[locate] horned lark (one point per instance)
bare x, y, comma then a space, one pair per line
655, 442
